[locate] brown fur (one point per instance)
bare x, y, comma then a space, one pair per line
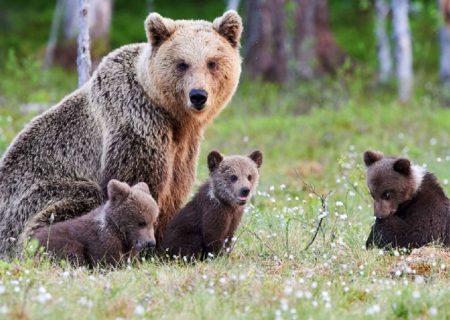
132, 121
110, 234
207, 223
410, 206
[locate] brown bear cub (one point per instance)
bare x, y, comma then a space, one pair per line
410, 206
109, 234
206, 225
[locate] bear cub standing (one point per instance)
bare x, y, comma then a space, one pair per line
410, 206
109, 234
206, 225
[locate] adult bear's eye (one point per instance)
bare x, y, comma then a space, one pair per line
234, 178
212, 65
142, 224
182, 66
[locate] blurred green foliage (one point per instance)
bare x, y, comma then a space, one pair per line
25, 25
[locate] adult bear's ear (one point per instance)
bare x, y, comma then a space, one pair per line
158, 29
118, 191
229, 26
214, 159
402, 166
142, 186
371, 157
257, 157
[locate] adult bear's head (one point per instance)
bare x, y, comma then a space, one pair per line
192, 67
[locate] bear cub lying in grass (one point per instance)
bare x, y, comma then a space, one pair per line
206, 225
109, 234
410, 206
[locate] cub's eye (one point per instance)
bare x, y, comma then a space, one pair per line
386, 195
249, 177
142, 224
212, 65
234, 178
182, 66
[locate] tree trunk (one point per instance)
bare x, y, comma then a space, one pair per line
62, 47
150, 5
403, 51
305, 38
330, 56
84, 55
53, 38
233, 5
383, 45
444, 39
266, 54
315, 48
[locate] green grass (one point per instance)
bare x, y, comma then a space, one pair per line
313, 136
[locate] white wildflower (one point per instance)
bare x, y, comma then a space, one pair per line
139, 310
373, 310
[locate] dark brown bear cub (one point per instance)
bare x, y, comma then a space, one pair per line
206, 225
110, 234
410, 206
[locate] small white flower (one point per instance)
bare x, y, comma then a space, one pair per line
433, 311
139, 310
288, 291
416, 294
43, 297
339, 204
419, 279
373, 310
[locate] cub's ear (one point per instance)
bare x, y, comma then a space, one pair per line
229, 26
142, 186
118, 191
402, 166
371, 157
214, 159
158, 29
257, 157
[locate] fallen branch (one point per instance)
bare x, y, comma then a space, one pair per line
324, 204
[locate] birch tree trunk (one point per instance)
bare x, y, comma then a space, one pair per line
53, 37
403, 50
305, 38
233, 5
383, 45
83, 54
150, 5
444, 40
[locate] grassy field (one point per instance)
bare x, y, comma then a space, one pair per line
313, 136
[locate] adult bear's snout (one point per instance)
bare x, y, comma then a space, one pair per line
198, 98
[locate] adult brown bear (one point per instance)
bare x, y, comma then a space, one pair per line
139, 118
